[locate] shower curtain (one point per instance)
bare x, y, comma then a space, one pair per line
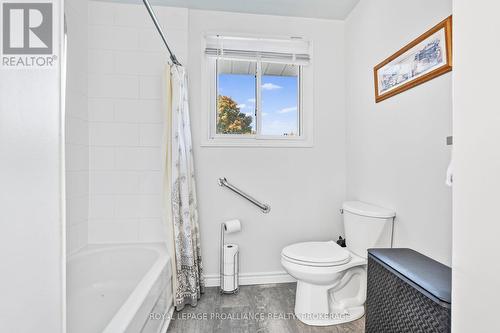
181, 212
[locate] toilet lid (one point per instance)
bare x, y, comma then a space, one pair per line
317, 252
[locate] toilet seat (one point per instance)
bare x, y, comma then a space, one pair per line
318, 254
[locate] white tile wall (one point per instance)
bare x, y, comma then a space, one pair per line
150, 134
113, 86
126, 62
100, 109
77, 128
150, 87
150, 111
114, 134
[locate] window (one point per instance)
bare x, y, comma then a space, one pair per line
256, 97
280, 100
260, 99
236, 97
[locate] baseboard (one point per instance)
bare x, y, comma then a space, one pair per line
212, 280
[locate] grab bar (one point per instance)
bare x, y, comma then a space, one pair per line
264, 207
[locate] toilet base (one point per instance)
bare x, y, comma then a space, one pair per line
322, 305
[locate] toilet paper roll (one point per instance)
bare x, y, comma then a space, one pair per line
229, 254
232, 226
230, 267
230, 283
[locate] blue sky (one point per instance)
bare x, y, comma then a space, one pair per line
279, 100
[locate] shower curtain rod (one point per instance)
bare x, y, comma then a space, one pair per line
160, 31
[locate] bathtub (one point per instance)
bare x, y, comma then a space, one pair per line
114, 288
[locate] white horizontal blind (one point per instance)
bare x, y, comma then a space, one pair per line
290, 51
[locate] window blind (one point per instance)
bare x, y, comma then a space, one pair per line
289, 51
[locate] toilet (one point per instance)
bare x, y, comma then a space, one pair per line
331, 280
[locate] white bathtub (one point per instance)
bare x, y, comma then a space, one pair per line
114, 288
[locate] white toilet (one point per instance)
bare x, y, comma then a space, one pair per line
331, 280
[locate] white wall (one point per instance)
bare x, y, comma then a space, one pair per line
31, 198
126, 58
126, 61
304, 186
396, 149
77, 128
476, 120
396, 152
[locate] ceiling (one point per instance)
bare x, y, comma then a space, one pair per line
327, 9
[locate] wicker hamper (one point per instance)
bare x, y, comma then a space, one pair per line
407, 293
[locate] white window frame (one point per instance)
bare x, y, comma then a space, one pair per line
209, 117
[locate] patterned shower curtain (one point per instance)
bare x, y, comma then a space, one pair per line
181, 211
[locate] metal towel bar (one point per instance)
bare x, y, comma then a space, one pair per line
264, 207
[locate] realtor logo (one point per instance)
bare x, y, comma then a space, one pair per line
27, 34
27, 28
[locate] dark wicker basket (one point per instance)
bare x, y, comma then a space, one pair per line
395, 306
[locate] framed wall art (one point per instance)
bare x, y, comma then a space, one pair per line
425, 58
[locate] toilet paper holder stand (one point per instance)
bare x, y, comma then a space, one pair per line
236, 268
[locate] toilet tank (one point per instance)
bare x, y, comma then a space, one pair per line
367, 226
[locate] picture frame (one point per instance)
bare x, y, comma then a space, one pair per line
425, 58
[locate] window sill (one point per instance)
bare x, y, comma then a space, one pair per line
262, 143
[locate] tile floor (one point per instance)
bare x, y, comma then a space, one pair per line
276, 299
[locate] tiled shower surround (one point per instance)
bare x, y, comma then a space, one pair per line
77, 128
126, 62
